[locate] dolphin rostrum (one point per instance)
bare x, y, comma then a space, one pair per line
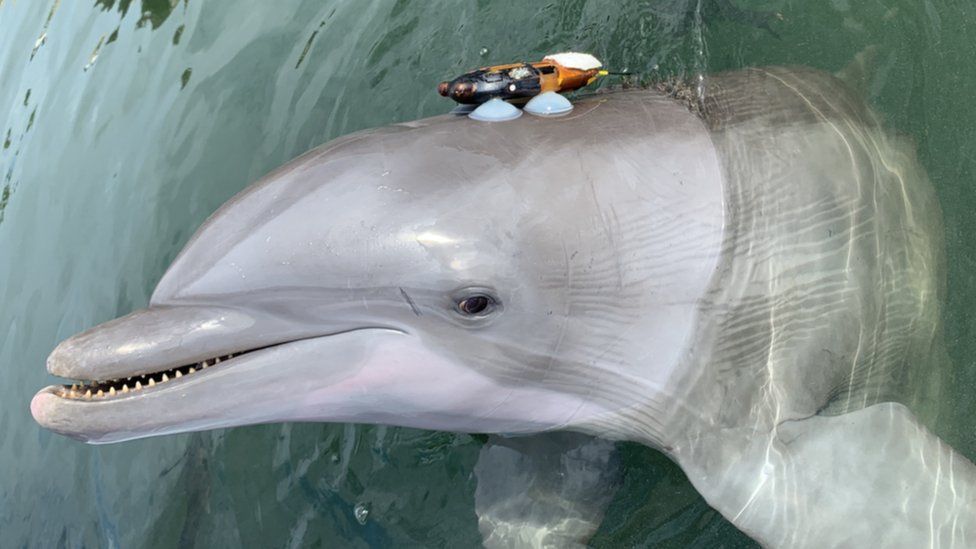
751, 285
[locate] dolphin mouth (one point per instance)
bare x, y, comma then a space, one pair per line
117, 388
278, 381
165, 345
108, 389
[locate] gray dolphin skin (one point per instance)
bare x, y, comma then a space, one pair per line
751, 286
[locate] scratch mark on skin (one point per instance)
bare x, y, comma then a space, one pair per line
413, 306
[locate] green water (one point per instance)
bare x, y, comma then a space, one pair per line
125, 123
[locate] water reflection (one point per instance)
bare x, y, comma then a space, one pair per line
154, 12
42, 38
4, 197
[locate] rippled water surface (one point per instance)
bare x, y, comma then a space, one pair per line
124, 123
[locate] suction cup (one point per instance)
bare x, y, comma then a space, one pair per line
495, 110
549, 104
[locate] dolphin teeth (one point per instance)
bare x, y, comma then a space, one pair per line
112, 387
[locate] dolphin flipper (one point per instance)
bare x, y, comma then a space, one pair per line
871, 478
548, 490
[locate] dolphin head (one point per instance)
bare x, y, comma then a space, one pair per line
444, 274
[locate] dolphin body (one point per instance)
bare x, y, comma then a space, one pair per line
751, 286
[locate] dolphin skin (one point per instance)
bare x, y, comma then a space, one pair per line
751, 285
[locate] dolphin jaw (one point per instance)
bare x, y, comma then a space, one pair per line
204, 395
155, 340
97, 388
123, 387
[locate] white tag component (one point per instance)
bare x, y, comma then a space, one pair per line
575, 60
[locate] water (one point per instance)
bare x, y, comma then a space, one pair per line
125, 123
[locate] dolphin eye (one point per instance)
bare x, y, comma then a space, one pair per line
475, 305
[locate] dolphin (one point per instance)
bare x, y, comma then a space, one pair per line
749, 281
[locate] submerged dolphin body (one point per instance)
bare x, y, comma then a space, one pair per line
752, 288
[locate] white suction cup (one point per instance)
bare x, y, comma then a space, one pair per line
549, 104
495, 110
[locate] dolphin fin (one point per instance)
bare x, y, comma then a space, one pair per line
547, 490
871, 478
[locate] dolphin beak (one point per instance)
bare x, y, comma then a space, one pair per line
175, 368
307, 379
155, 339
